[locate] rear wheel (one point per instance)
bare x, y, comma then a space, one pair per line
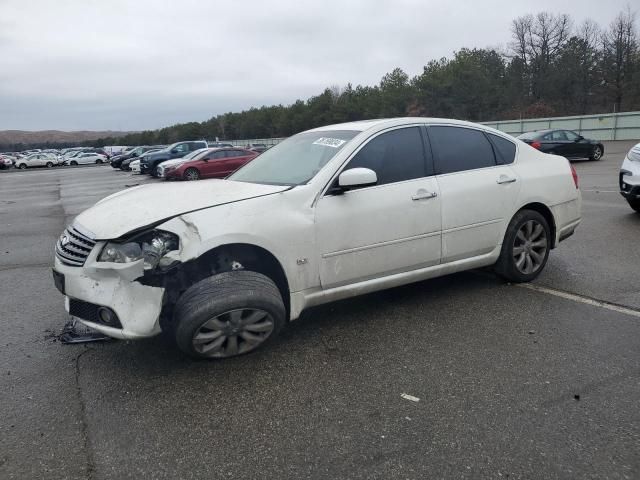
98, 161
635, 204
73, 163
228, 314
596, 153
23, 166
525, 248
49, 164
191, 174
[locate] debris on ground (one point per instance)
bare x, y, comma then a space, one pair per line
409, 397
76, 332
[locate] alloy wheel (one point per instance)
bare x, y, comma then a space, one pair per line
233, 333
191, 174
597, 153
530, 247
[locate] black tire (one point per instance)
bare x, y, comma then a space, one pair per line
215, 297
49, 164
191, 174
506, 265
98, 161
23, 166
73, 163
635, 204
596, 153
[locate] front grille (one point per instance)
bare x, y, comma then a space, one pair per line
73, 247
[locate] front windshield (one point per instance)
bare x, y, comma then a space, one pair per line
194, 154
296, 160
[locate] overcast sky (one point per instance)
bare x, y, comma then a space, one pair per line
140, 64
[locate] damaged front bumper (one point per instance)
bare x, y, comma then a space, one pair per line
93, 287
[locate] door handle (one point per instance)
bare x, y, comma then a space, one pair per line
423, 195
505, 179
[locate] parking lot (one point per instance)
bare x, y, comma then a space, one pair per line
530, 381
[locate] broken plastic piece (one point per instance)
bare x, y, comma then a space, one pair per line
76, 332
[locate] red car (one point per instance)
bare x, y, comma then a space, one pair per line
212, 163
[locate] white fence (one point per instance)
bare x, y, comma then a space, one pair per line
607, 126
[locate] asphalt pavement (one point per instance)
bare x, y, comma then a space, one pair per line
458, 377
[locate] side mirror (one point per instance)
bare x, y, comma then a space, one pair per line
357, 178
174, 150
580, 137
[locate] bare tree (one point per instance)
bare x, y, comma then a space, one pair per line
620, 46
537, 41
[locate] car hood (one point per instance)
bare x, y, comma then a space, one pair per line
147, 205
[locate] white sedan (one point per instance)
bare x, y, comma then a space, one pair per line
330, 213
86, 158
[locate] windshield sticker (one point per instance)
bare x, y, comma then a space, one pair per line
330, 142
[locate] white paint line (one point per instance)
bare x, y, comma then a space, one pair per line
409, 397
580, 298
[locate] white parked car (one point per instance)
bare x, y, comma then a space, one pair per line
327, 214
86, 158
135, 166
630, 178
36, 160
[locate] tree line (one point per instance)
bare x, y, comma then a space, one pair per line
551, 67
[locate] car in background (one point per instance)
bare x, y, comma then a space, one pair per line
565, 143
219, 145
125, 165
169, 165
256, 147
150, 163
86, 158
6, 161
117, 160
36, 160
212, 163
630, 178
134, 166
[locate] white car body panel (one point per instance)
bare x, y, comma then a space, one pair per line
147, 204
330, 247
630, 175
82, 159
135, 166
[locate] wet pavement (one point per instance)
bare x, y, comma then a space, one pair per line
510, 382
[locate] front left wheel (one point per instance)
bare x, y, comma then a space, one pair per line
228, 314
525, 248
635, 204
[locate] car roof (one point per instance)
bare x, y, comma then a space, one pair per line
363, 125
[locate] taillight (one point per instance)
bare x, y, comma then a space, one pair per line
574, 174
536, 145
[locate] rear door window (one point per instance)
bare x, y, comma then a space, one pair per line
459, 149
504, 149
